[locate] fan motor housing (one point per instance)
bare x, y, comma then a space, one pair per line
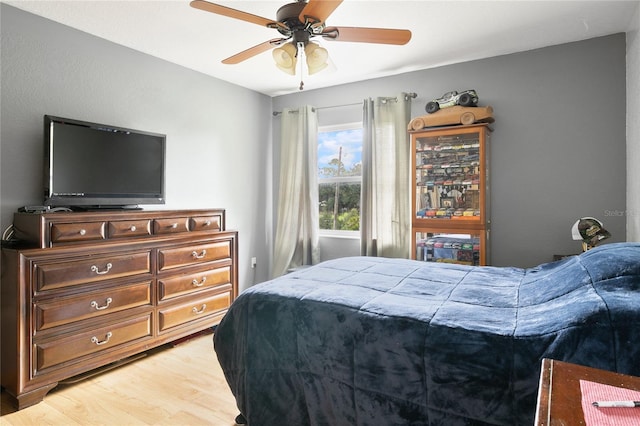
288, 14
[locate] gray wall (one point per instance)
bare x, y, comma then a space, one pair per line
214, 159
558, 146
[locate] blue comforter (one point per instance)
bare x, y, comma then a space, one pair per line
375, 341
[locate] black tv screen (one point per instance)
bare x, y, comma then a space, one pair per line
102, 166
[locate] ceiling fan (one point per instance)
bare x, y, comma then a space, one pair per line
298, 23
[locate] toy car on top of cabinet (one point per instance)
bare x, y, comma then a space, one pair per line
465, 98
453, 115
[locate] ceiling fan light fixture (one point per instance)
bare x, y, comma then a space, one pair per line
297, 22
286, 57
313, 70
317, 57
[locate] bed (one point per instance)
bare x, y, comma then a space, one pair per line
377, 341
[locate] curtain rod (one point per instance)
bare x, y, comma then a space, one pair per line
318, 108
412, 95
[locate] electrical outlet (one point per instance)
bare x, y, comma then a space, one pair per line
254, 262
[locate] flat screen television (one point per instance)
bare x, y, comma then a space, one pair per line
91, 165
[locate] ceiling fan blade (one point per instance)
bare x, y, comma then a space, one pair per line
318, 10
232, 13
253, 51
367, 35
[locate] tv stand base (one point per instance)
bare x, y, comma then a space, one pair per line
129, 207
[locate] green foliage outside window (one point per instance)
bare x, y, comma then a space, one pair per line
348, 218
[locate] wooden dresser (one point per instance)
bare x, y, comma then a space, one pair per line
91, 288
560, 397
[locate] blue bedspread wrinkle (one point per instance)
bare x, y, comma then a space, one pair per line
377, 341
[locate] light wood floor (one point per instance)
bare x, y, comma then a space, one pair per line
181, 385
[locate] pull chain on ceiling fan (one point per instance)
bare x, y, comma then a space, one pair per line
298, 23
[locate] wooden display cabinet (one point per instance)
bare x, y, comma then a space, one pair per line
450, 195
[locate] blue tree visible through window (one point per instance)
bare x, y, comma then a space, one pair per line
340, 176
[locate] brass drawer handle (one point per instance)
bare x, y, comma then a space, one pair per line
202, 254
132, 228
95, 340
207, 223
95, 269
198, 312
94, 304
174, 226
199, 284
82, 232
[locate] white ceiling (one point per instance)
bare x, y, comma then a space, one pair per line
444, 32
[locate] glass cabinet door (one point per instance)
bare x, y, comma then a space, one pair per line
450, 206
444, 247
448, 177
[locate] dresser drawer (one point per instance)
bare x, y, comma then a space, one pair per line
171, 225
189, 283
58, 274
64, 310
74, 232
192, 255
206, 223
67, 348
129, 228
194, 310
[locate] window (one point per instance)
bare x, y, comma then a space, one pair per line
339, 177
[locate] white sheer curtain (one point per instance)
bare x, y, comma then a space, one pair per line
296, 240
386, 191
